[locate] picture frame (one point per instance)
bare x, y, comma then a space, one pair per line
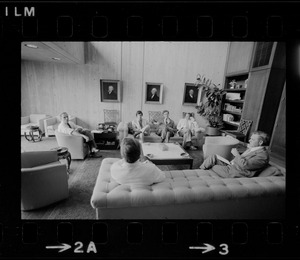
110, 90
193, 98
153, 93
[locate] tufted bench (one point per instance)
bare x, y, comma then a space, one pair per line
189, 194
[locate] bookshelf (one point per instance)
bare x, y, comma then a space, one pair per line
233, 101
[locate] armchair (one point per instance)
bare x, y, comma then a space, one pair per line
44, 180
33, 120
220, 145
51, 124
242, 132
75, 144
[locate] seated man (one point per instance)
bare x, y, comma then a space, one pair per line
185, 130
140, 126
130, 170
248, 164
68, 127
195, 129
166, 129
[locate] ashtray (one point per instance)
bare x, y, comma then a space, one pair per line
149, 155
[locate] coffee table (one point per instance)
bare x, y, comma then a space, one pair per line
173, 156
29, 134
63, 153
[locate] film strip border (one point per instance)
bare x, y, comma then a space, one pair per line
145, 21
190, 238
150, 238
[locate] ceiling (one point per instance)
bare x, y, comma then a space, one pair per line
45, 52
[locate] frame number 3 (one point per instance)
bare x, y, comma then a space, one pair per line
224, 250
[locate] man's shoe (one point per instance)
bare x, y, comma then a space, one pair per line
95, 150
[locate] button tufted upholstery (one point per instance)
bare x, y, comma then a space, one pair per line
189, 194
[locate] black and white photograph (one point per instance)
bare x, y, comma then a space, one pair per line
110, 90
191, 94
154, 93
163, 153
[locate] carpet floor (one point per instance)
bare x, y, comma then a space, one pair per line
82, 178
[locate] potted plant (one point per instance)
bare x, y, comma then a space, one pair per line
210, 109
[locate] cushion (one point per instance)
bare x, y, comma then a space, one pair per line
130, 128
271, 170
53, 127
155, 116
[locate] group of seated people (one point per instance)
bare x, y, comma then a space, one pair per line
134, 169
186, 128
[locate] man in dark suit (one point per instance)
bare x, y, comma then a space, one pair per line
167, 128
247, 164
190, 97
111, 94
154, 96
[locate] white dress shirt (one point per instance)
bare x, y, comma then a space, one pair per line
138, 172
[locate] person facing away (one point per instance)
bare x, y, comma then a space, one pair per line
247, 164
68, 127
184, 128
154, 96
167, 128
130, 170
140, 126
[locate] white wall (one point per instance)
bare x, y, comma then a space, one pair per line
52, 88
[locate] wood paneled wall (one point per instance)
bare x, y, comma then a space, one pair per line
52, 88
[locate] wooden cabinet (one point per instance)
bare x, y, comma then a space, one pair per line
266, 83
255, 96
278, 142
239, 57
263, 99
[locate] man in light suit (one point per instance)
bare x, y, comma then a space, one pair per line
140, 126
247, 164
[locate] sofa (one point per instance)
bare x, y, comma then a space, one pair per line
125, 130
220, 145
191, 194
76, 145
33, 120
51, 124
44, 180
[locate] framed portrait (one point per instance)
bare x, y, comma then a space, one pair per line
154, 93
110, 90
191, 95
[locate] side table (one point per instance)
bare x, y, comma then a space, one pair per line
105, 139
29, 134
63, 153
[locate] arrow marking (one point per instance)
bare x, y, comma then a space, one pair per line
62, 248
207, 248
